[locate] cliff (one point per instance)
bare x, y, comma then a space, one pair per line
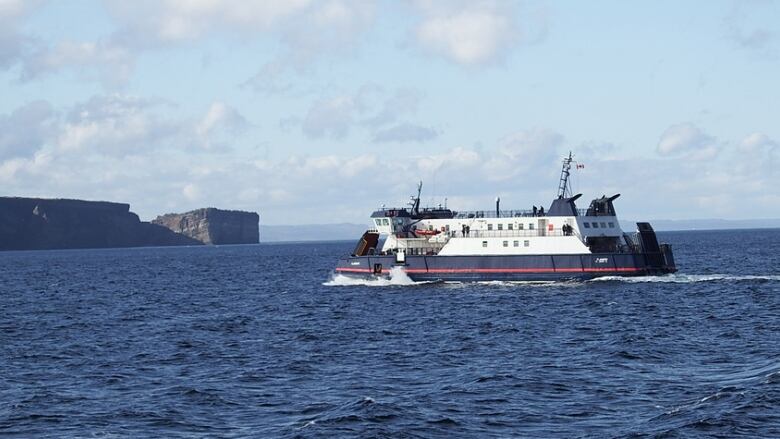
214, 226
38, 224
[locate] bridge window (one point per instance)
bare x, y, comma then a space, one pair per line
603, 225
595, 225
586, 224
611, 225
386, 221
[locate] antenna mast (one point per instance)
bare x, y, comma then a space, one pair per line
564, 191
416, 201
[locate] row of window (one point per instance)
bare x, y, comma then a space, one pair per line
510, 226
526, 243
595, 225
520, 226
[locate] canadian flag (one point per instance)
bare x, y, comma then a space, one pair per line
580, 166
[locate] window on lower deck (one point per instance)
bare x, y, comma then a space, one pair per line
516, 243
500, 227
526, 243
520, 226
611, 225
484, 243
506, 243
509, 226
490, 226
586, 224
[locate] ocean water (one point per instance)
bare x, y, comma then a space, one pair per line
263, 341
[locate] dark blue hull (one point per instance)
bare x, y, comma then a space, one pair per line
511, 268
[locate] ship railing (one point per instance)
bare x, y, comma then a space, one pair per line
521, 213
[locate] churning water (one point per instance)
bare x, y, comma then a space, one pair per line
264, 341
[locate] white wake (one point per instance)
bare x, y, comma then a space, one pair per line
398, 278
686, 278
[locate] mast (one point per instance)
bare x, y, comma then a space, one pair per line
564, 191
416, 201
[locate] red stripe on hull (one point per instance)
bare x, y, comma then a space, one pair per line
499, 270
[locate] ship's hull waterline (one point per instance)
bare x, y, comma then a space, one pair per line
506, 268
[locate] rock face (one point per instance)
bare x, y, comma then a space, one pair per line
38, 224
214, 226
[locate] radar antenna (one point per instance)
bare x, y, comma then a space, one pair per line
564, 190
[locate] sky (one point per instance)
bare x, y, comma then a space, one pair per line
313, 112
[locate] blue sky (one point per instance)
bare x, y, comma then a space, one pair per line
319, 111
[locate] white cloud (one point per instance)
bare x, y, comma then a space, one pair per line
13, 43
221, 119
306, 29
758, 154
405, 132
687, 138
177, 20
756, 143
114, 148
332, 117
191, 192
26, 129
113, 62
385, 115
523, 153
403, 102
115, 124
468, 33
328, 26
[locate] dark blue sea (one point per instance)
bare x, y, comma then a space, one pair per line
261, 341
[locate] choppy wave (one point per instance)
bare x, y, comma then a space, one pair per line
732, 395
245, 340
680, 278
397, 278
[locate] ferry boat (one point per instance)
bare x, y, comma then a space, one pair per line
560, 243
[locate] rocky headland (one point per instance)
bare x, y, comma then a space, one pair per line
38, 224
214, 226
41, 224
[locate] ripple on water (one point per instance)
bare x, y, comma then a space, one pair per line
246, 341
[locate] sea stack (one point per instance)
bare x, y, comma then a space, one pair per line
214, 226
